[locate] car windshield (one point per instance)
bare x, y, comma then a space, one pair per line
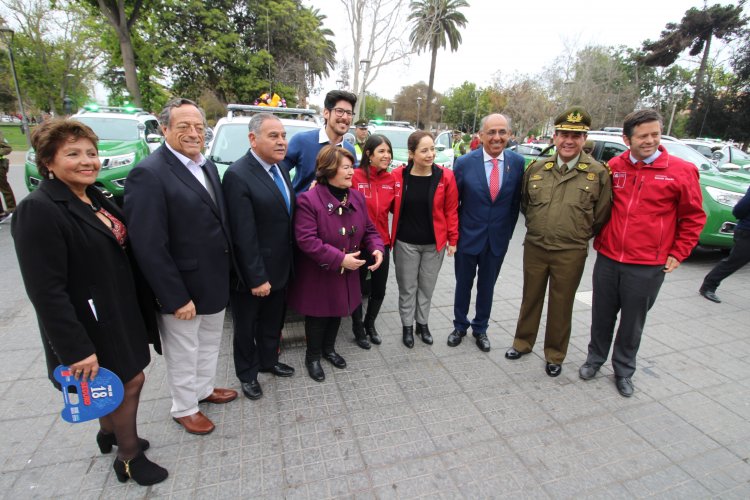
689, 154
526, 149
112, 129
397, 137
231, 142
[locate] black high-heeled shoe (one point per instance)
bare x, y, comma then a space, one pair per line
140, 469
107, 441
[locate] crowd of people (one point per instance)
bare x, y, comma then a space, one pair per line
107, 282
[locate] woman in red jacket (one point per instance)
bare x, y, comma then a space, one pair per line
374, 181
425, 221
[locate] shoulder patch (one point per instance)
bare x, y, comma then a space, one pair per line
536, 177
591, 176
549, 165
582, 166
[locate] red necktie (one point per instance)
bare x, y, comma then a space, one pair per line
494, 180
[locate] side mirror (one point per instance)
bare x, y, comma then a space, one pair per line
717, 156
440, 147
153, 138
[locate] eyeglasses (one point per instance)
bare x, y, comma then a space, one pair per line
341, 112
184, 127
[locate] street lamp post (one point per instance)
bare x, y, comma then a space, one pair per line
364, 66
442, 108
393, 105
7, 35
419, 105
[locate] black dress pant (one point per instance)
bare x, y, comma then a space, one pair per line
631, 290
257, 331
321, 336
738, 257
374, 287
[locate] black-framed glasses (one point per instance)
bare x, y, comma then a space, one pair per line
341, 112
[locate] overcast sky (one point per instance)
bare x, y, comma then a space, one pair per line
515, 37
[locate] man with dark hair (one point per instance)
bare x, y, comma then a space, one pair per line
179, 232
304, 147
657, 215
566, 200
260, 202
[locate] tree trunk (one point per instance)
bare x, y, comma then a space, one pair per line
128, 61
428, 103
701, 75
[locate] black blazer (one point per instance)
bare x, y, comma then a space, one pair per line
261, 226
72, 265
179, 235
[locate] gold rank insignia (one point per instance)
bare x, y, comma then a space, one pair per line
583, 166
548, 165
574, 117
591, 177
536, 177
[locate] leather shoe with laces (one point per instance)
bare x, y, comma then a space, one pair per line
553, 369
424, 333
334, 358
483, 343
710, 295
252, 389
512, 353
220, 396
315, 370
624, 386
279, 369
455, 338
197, 423
587, 371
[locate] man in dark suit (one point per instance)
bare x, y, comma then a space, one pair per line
179, 231
489, 193
260, 202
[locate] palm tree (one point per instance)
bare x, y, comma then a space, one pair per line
696, 30
436, 24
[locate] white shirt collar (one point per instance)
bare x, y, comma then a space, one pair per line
487, 157
323, 138
184, 159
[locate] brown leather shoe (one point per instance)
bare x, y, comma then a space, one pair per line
197, 423
220, 396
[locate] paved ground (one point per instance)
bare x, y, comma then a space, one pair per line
426, 422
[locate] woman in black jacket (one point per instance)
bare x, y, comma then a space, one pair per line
72, 248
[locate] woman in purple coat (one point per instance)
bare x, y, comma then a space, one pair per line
331, 227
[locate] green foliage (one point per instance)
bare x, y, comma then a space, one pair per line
12, 134
436, 25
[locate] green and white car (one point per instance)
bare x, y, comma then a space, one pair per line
398, 133
126, 136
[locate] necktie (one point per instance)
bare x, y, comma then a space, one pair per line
494, 180
280, 184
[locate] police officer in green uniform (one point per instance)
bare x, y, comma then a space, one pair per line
566, 199
459, 146
361, 137
5, 189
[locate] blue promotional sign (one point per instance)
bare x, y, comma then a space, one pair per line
89, 399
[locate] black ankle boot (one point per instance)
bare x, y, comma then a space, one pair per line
409, 336
140, 469
107, 441
424, 332
373, 308
358, 328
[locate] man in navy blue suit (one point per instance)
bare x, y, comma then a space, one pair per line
489, 192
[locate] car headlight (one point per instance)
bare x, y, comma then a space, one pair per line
30, 156
728, 198
117, 161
